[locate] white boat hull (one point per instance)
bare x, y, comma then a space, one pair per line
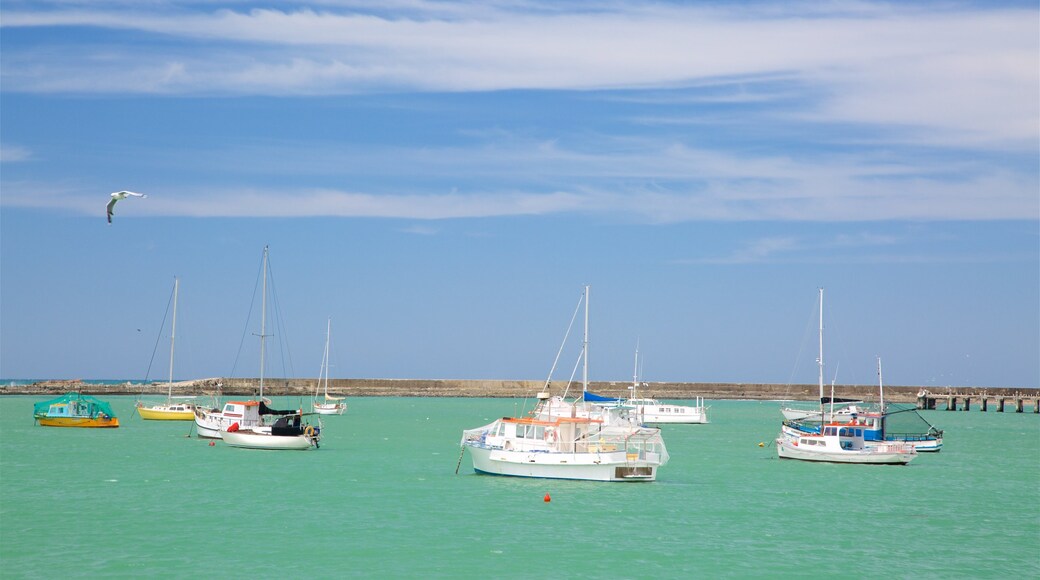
209, 425
787, 448
261, 440
684, 415
612, 466
330, 408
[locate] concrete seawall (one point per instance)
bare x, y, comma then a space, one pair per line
482, 388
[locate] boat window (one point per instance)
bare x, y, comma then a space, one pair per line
539, 432
844, 432
521, 430
859, 432
501, 429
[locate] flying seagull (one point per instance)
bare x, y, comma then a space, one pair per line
118, 196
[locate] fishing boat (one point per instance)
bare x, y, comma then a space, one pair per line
568, 441
883, 424
836, 442
330, 405
241, 423
171, 410
75, 410
842, 443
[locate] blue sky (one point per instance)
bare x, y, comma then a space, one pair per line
442, 178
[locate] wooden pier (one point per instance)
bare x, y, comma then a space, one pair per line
962, 400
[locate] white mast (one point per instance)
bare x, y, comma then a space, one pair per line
881, 386
328, 333
585, 346
819, 361
173, 336
263, 325
635, 370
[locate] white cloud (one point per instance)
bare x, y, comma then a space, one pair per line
963, 72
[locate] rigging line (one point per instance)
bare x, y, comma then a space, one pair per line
249, 316
283, 344
577, 363
801, 347
564, 343
162, 326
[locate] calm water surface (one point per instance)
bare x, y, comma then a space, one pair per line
381, 499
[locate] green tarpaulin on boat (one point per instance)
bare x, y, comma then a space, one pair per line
87, 406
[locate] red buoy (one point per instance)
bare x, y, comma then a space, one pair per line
212, 443
547, 498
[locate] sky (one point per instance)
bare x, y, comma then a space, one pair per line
441, 179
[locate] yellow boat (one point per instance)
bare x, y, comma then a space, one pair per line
75, 410
167, 412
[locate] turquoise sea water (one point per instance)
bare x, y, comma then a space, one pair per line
381, 499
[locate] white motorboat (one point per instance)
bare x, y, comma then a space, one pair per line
837, 442
882, 424
841, 443
565, 440
653, 412
329, 405
650, 411
580, 448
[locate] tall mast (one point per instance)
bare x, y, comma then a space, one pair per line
328, 333
173, 335
635, 370
819, 361
263, 325
881, 386
585, 346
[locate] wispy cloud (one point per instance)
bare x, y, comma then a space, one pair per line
14, 153
946, 71
642, 180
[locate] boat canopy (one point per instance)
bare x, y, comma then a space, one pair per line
265, 410
93, 405
594, 398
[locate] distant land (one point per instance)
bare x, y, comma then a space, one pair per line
482, 388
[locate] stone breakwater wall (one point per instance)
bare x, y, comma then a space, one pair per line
483, 388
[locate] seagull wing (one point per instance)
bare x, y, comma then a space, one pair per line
111, 205
135, 194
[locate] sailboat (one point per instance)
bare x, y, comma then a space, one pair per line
241, 423
170, 410
567, 440
330, 405
837, 442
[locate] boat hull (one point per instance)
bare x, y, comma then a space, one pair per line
109, 423
254, 440
690, 418
786, 449
163, 414
613, 466
330, 409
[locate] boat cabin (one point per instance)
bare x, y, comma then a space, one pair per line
248, 412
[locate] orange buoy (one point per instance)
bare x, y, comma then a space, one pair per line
547, 498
